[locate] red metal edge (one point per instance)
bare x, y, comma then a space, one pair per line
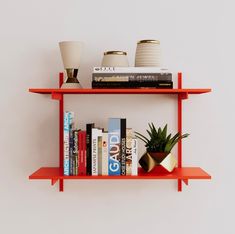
184, 92
184, 173
180, 128
61, 131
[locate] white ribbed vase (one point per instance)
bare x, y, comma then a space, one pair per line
148, 54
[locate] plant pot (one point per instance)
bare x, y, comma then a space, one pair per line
152, 159
158, 156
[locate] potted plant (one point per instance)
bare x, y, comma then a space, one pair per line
158, 148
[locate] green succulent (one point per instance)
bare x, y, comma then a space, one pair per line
158, 140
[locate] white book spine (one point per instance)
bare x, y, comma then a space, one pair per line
105, 154
100, 166
129, 134
134, 169
130, 70
94, 150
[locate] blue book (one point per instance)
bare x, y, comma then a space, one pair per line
68, 123
114, 152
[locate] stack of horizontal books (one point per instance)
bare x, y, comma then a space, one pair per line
131, 77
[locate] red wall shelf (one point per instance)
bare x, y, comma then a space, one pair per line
181, 174
57, 92
185, 173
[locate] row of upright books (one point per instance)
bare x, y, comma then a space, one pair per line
97, 152
131, 77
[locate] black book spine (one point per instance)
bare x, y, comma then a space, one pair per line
131, 77
145, 84
123, 147
88, 147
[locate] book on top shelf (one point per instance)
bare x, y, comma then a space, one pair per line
130, 70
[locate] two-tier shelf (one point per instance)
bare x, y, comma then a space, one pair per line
180, 173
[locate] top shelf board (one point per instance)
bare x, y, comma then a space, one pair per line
120, 91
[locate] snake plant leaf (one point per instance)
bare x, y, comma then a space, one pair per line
175, 136
142, 137
164, 132
168, 138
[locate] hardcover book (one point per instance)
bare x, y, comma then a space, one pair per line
114, 140
71, 159
88, 147
75, 153
68, 123
129, 151
131, 77
144, 84
129, 70
94, 149
100, 165
134, 151
105, 153
123, 147
82, 153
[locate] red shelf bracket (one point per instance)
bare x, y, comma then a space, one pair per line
61, 185
56, 96
185, 181
184, 96
53, 181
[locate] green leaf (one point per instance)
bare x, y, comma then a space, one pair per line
164, 132
142, 137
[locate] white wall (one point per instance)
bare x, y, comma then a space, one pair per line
197, 37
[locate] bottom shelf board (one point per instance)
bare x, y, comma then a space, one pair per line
185, 173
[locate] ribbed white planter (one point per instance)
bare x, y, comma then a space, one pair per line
148, 54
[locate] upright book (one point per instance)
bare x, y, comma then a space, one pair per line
88, 147
82, 153
129, 151
114, 140
123, 147
96, 133
75, 153
104, 160
68, 121
134, 156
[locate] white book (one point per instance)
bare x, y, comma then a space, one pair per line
104, 154
129, 134
134, 169
68, 124
100, 166
98, 70
95, 133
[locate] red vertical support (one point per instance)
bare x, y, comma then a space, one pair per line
180, 127
61, 132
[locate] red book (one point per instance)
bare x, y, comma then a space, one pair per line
82, 153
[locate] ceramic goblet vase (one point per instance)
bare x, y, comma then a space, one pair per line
71, 52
